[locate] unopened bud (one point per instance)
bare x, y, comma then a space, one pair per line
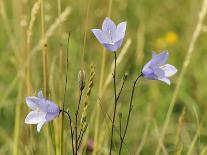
81, 79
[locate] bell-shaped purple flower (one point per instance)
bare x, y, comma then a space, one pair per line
111, 36
43, 110
156, 69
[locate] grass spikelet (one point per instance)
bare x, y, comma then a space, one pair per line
90, 86
35, 10
58, 21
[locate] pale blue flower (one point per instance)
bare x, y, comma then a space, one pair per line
43, 110
156, 69
111, 36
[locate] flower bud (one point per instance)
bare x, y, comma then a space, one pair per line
81, 79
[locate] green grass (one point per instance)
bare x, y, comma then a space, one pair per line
153, 20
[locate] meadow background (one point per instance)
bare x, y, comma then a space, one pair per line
178, 26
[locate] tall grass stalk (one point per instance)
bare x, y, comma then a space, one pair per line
61, 133
45, 72
102, 75
8, 28
196, 34
158, 134
34, 12
85, 33
17, 120
178, 132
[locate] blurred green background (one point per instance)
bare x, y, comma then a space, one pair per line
151, 25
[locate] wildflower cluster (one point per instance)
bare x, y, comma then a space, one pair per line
111, 37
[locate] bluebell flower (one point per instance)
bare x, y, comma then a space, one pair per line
111, 37
156, 69
43, 110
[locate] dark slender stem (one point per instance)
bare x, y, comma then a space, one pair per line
115, 104
116, 128
64, 100
71, 129
129, 113
120, 126
122, 86
76, 122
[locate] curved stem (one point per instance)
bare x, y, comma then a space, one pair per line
71, 129
129, 113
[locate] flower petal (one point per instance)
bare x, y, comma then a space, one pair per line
36, 103
52, 107
51, 115
108, 26
147, 71
113, 47
166, 80
120, 31
33, 102
169, 70
39, 126
159, 73
35, 117
159, 59
100, 36
153, 54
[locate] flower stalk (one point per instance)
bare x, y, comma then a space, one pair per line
115, 105
129, 114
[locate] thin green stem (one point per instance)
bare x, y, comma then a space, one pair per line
129, 113
76, 122
71, 130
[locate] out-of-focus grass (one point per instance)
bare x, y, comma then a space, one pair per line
164, 24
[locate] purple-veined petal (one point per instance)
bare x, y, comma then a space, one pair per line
150, 77
159, 73
120, 31
36, 103
51, 106
113, 47
35, 117
52, 115
169, 70
159, 59
166, 80
109, 26
39, 126
33, 102
147, 71
100, 36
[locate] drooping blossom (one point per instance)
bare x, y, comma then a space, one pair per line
111, 36
157, 69
43, 110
